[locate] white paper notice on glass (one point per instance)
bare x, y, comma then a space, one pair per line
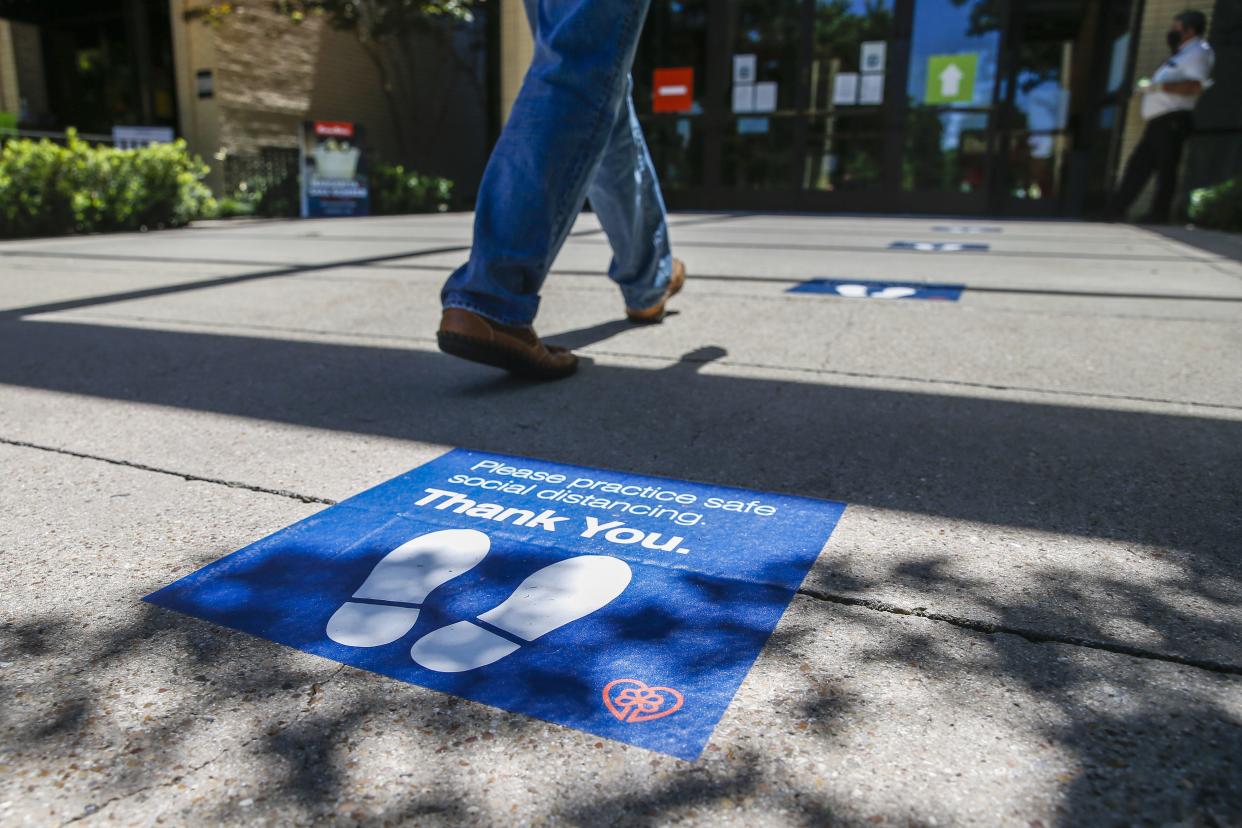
845, 89
871, 90
871, 56
744, 68
743, 97
765, 96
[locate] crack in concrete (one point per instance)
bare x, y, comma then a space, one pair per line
315, 688
231, 484
1028, 633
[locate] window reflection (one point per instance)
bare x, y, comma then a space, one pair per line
798, 95
945, 151
953, 70
954, 27
759, 154
1048, 78
845, 149
844, 154
1036, 161
841, 29
770, 30
676, 146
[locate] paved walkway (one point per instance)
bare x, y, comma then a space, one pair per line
1029, 614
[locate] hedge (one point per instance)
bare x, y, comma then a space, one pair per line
1219, 206
396, 190
50, 189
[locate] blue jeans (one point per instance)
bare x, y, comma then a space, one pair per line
573, 133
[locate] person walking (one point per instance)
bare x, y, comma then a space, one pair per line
573, 134
1167, 102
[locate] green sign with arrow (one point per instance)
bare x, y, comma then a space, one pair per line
951, 78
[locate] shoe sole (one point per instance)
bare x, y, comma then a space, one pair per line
655, 320
485, 353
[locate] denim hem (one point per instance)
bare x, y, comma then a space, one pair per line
474, 307
648, 293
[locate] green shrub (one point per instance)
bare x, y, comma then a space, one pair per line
49, 189
396, 190
233, 207
1218, 206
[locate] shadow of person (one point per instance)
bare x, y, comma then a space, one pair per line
692, 362
594, 334
591, 335
686, 367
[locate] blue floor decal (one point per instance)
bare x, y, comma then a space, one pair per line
854, 289
939, 247
628, 607
965, 228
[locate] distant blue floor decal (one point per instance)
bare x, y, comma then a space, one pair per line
965, 228
629, 607
939, 247
856, 289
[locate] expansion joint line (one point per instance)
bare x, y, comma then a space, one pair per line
1032, 635
232, 484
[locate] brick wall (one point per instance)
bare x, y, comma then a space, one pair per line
21, 69
9, 100
269, 77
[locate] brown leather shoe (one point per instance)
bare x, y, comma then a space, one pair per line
517, 350
655, 313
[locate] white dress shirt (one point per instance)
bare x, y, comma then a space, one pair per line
1192, 62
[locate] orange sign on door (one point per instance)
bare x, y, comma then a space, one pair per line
672, 90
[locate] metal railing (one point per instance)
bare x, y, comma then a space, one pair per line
270, 177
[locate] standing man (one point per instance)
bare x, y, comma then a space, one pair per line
573, 133
1167, 102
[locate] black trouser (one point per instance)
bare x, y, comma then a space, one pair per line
1159, 151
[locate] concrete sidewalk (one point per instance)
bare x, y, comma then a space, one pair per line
1030, 613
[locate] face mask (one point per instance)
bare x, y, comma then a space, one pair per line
1174, 39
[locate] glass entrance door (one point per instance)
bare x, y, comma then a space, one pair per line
851, 61
950, 94
930, 106
1057, 106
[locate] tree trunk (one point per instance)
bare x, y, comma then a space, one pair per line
397, 108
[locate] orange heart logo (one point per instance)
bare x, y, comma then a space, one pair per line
637, 701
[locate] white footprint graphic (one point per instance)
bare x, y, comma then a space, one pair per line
405, 576
550, 598
864, 292
852, 291
894, 293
